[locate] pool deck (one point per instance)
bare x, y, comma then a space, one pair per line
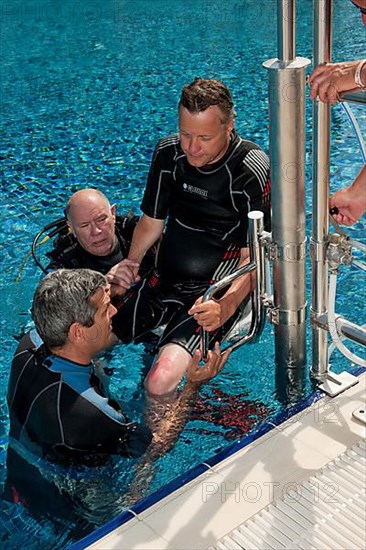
200, 513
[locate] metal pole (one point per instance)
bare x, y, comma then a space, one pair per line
321, 161
286, 30
286, 78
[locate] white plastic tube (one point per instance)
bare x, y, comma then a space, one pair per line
333, 326
352, 119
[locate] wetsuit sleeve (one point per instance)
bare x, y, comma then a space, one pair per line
159, 187
253, 183
97, 423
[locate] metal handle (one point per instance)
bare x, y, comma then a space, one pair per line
257, 262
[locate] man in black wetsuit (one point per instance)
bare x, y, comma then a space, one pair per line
60, 409
98, 239
58, 406
202, 184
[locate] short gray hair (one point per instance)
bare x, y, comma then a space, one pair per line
62, 298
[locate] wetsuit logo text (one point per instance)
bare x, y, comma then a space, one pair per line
195, 190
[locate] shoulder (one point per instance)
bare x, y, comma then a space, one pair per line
250, 159
29, 344
66, 252
167, 147
248, 151
125, 225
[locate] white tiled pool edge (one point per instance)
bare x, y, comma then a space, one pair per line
211, 505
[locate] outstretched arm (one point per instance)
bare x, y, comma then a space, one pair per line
349, 204
329, 80
147, 232
214, 313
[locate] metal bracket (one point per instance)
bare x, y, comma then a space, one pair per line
339, 251
288, 253
335, 384
279, 316
274, 315
318, 250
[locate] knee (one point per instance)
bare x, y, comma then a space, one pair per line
162, 378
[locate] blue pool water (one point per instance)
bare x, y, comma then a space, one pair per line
88, 87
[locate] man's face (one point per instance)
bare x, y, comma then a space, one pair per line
92, 221
361, 4
204, 138
99, 336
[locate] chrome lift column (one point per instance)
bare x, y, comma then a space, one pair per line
286, 83
321, 160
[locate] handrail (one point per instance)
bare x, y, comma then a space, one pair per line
257, 263
355, 96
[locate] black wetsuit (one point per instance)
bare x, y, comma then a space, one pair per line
207, 210
69, 254
60, 411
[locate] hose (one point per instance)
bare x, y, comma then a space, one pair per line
333, 326
352, 119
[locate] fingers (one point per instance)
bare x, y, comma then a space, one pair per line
207, 314
322, 83
344, 219
196, 358
124, 273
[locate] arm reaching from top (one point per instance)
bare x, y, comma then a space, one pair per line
329, 80
350, 203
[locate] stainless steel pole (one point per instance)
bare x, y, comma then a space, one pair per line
286, 30
286, 77
321, 161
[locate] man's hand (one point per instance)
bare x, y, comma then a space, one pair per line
122, 276
197, 374
349, 207
209, 315
329, 80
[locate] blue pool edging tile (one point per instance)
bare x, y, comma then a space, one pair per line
196, 471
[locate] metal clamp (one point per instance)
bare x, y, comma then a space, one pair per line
339, 251
318, 250
287, 317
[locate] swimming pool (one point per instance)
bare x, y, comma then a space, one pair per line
88, 89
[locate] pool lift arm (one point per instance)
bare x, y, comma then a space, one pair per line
260, 295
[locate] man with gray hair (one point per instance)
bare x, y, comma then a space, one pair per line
59, 409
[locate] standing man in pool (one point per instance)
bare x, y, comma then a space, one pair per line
202, 183
60, 408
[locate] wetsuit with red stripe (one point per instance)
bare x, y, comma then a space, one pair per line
207, 222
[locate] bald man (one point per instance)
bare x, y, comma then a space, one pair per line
98, 240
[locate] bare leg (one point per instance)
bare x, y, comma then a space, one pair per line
167, 371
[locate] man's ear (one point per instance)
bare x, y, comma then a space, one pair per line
69, 226
76, 333
231, 126
113, 211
